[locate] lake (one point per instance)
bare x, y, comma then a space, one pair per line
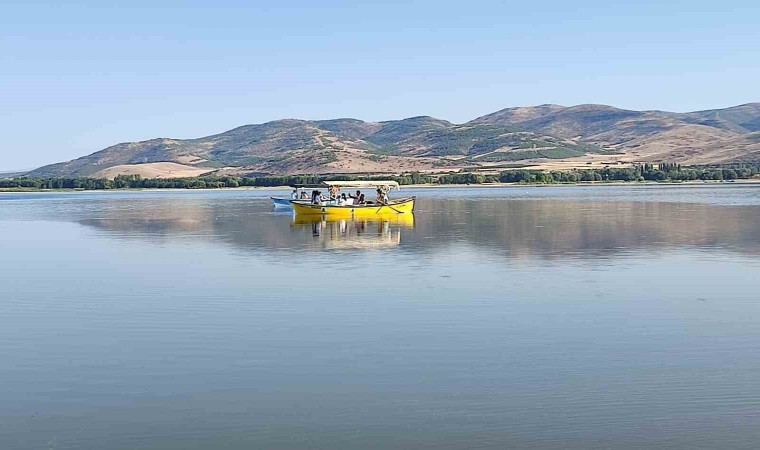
515, 317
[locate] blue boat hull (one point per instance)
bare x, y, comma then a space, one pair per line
281, 202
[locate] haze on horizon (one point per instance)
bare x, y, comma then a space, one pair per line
79, 77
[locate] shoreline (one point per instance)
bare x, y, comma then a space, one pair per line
589, 183
749, 181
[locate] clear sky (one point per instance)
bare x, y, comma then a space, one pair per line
76, 77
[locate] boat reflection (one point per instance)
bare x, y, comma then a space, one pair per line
356, 234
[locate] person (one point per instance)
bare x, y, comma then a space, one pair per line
294, 195
304, 195
333, 190
356, 197
361, 200
382, 197
345, 200
315, 197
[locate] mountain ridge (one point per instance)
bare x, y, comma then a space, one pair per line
534, 135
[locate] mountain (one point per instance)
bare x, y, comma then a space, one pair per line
542, 136
329, 146
11, 174
742, 118
691, 138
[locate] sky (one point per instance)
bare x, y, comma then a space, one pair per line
76, 77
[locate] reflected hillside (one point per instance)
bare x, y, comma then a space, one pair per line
248, 225
535, 228
551, 228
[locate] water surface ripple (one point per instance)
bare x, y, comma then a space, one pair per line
521, 317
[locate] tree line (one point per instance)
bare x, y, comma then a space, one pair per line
642, 172
203, 182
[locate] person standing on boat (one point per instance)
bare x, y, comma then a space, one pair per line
294, 195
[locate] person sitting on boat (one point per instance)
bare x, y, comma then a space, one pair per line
315, 200
339, 201
382, 197
360, 200
304, 195
294, 195
356, 197
346, 200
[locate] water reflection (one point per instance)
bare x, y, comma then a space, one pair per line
206, 320
342, 234
516, 229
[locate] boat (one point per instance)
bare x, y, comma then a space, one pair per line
284, 203
400, 206
369, 210
281, 202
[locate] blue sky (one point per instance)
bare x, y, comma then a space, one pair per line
76, 77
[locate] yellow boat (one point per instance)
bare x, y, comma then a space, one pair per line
392, 208
367, 211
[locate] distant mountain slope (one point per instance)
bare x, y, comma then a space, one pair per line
527, 134
742, 118
744, 148
152, 170
335, 146
656, 135
588, 123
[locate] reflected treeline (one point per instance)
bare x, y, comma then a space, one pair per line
559, 228
535, 228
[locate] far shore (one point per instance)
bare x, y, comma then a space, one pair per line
749, 181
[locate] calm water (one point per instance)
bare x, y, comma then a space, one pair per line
554, 317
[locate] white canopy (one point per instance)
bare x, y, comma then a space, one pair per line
363, 183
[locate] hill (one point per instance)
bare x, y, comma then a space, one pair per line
654, 136
331, 146
539, 135
10, 174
